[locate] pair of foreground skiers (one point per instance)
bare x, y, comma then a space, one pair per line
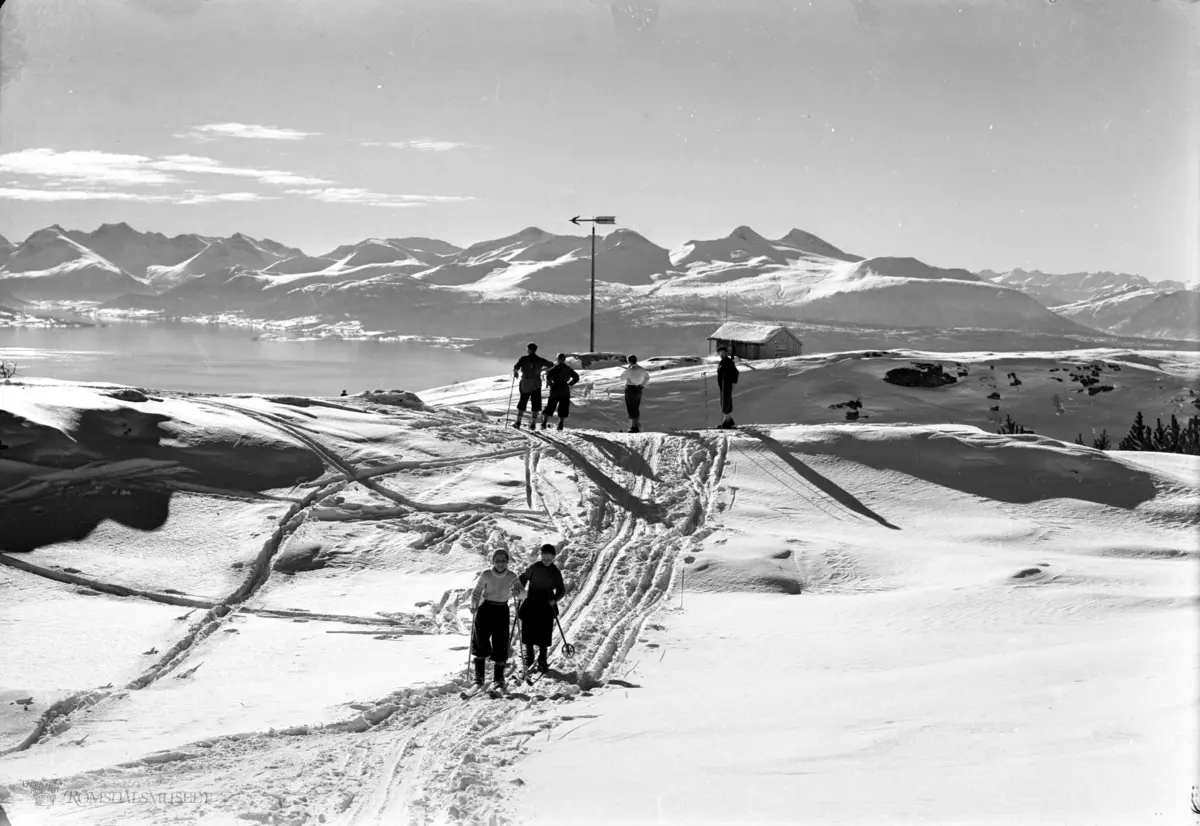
537, 611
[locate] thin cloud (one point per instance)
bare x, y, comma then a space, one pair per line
425, 145
250, 130
22, 194
107, 168
191, 197
349, 195
89, 166
207, 166
219, 197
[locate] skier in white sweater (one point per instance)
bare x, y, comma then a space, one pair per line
489, 603
636, 378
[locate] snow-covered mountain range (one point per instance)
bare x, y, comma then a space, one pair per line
1117, 303
537, 280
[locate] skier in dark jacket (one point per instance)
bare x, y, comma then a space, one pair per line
540, 608
560, 379
530, 367
727, 376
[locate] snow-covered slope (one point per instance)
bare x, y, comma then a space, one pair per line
758, 278
135, 251
1173, 315
7, 248
299, 264
237, 250
1052, 289
908, 605
1108, 308
48, 264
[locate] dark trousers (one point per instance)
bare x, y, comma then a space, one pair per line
491, 632
633, 400
537, 621
726, 398
534, 397
537, 628
561, 404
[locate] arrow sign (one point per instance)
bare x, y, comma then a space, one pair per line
599, 219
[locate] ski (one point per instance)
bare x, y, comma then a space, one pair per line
533, 674
473, 691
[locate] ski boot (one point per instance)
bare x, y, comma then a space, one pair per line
499, 677
479, 665
560, 425
545, 424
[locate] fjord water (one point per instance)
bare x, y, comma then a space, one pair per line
214, 359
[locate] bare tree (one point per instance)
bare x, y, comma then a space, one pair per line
8, 369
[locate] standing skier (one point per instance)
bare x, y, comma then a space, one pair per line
636, 378
560, 379
530, 367
489, 605
727, 376
540, 608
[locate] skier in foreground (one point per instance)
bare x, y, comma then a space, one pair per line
560, 379
530, 367
540, 608
727, 376
489, 605
636, 378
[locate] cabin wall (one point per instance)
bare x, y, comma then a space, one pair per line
778, 346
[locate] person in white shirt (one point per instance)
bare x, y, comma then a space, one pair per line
489, 604
636, 378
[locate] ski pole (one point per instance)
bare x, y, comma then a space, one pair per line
568, 649
704, 376
471, 646
512, 630
512, 386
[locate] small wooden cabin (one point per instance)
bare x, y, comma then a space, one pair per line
756, 341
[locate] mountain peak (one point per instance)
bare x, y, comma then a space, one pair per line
745, 233
114, 228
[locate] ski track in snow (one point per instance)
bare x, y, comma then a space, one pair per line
426, 755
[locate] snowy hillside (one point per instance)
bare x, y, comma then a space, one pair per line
1052, 289
134, 251
1146, 312
897, 292
236, 251
1169, 315
7, 248
48, 264
266, 596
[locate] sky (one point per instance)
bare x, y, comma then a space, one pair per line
1059, 135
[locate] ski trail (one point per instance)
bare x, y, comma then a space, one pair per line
348, 470
58, 718
422, 754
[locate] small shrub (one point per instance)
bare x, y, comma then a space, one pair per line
1010, 427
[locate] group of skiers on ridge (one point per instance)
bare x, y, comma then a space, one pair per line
538, 589
560, 378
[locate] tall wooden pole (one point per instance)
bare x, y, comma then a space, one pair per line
592, 329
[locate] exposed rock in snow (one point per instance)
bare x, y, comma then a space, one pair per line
921, 374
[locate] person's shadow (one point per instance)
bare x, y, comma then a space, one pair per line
826, 486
